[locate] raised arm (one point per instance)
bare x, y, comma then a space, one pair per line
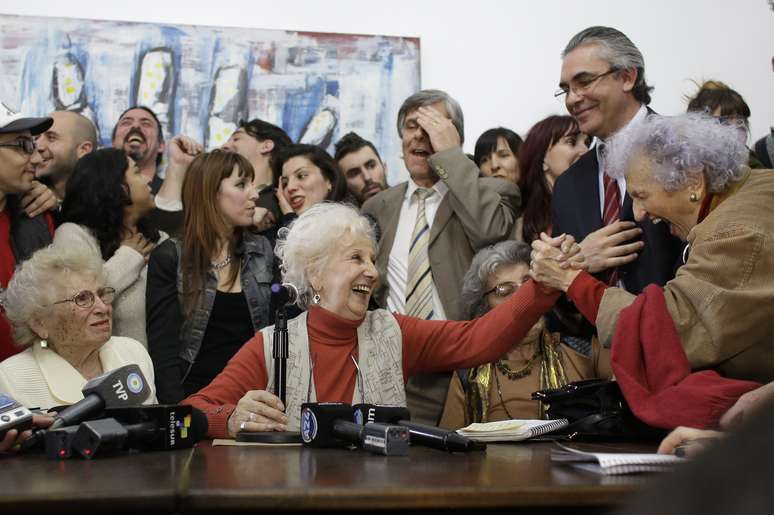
434, 346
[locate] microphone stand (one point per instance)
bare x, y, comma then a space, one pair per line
280, 353
280, 344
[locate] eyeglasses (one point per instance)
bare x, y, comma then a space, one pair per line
503, 289
582, 85
86, 298
27, 145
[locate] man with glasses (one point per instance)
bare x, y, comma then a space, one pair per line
603, 87
20, 234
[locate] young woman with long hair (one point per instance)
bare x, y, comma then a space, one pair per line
208, 292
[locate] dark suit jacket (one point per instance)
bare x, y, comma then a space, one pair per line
575, 211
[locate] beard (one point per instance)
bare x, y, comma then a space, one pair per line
59, 170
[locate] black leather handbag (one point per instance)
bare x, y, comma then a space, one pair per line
597, 411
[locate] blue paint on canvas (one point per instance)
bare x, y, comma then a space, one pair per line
201, 80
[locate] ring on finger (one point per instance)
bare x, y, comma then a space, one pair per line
242, 426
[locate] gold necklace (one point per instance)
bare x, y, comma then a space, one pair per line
513, 375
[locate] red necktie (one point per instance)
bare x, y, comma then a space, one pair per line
611, 213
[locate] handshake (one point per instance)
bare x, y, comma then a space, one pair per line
556, 262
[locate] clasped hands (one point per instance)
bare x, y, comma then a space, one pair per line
555, 262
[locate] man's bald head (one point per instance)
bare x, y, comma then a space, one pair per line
71, 136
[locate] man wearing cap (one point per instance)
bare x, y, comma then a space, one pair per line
20, 234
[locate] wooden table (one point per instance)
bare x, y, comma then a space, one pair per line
516, 477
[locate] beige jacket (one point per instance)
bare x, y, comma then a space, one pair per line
477, 211
722, 299
41, 378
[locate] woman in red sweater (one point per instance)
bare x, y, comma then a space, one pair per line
340, 351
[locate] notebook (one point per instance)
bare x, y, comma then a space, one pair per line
610, 463
510, 430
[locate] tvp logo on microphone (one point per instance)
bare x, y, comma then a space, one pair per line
308, 425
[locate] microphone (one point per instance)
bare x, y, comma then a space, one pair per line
428, 436
284, 294
122, 387
329, 424
147, 428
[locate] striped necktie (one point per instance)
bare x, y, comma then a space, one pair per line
611, 213
419, 287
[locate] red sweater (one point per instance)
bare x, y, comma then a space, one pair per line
428, 346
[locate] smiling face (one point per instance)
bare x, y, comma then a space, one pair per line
236, 199
416, 145
58, 147
139, 191
346, 281
303, 183
501, 163
17, 168
606, 101
138, 134
66, 324
651, 201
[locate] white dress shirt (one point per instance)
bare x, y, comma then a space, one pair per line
638, 118
397, 266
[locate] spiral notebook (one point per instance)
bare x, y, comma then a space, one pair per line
609, 463
510, 430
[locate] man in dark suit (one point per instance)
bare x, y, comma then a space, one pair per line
444, 213
604, 88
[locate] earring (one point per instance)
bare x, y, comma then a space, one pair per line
44, 344
316, 298
693, 197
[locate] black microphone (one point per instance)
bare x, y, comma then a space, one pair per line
124, 386
147, 428
283, 294
428, 436
329, 424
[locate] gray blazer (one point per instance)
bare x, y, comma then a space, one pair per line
477, 211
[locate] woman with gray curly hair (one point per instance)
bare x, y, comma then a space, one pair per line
339, 350
502, 389
689, 171
60, 310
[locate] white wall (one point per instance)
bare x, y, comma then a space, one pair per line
500, 59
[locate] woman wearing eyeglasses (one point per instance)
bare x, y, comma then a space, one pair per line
60, 310
106, 202
502, 390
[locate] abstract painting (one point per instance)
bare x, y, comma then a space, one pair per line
202, 80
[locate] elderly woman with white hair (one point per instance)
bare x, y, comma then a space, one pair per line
60, 310
689, 172
328, 253
502, 389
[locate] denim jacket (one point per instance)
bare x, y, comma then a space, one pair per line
256, 277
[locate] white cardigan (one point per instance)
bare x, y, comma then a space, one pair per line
41, 378
127, 272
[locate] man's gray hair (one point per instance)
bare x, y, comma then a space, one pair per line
39, 280
619, 51
428, 97
305, 247
681, 147
484, 264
